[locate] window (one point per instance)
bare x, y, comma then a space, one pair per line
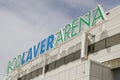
28, 76
34, 74
116, 74
22, 78
60, 62
46, 68
69, 58
113, 40
40, 70
19, 79
51, 66
77, 54
91, 48
108, 13
100, 45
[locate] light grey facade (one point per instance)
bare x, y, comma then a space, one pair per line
102, 61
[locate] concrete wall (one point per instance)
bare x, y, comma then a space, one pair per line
88, 70
109, 28
99, 72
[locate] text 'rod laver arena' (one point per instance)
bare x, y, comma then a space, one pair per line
86, 49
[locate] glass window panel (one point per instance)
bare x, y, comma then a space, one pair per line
28, 76
34, 74
19, 79
100, 45
117, 74
113, 40
40, 70
51, 66
90, 49
69, 58
46, 68
23, 78
77, 54
60, 62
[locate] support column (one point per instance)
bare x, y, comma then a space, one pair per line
43, 62
84, 45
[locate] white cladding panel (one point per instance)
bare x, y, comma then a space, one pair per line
88, 70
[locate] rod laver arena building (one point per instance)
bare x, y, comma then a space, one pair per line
86, 49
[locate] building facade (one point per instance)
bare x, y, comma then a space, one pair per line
101, 61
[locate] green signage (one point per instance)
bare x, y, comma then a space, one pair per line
79, 24
70, 30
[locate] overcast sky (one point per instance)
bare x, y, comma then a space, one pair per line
23, 23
